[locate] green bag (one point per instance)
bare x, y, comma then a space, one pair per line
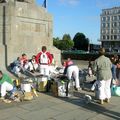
115, 90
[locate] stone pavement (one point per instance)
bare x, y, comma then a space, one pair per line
48, 107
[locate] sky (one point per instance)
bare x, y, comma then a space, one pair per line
73, 16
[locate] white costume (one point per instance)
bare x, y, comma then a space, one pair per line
73, 71
5, 87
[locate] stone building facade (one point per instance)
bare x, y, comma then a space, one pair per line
24, 28
110, 28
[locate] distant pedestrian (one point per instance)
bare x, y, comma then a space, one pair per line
114, 69
90, 71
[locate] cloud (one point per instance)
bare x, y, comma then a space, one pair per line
70, 2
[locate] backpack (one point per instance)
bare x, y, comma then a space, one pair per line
44, 58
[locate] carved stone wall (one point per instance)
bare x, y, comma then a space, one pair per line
25, 28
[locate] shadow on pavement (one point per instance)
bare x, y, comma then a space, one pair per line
79, 100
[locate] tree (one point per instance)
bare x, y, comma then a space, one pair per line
81, 42
65, 44
56, 42
66, 37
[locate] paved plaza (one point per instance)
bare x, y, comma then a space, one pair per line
48, 107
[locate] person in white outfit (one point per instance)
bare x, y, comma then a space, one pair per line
72, 71
31, 65
102, 68
44, 59
6, 84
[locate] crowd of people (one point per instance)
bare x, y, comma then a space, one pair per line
38, 63
107, 71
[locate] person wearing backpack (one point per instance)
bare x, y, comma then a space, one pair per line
44, 59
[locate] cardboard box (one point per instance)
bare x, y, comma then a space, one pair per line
28, 96
59, 89
54, 89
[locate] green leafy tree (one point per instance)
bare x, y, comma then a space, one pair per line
56, 42
66, 37
81, 42
65, 44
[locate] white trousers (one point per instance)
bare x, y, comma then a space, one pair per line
104, 90
5, 87
73, 71
44, 70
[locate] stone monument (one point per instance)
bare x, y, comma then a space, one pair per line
24, 28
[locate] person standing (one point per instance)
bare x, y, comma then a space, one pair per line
6, 84
102, 68
44, 59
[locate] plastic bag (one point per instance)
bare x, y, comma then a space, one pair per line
115, 90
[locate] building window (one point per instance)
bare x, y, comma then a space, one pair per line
114, 24
118, 11
118, 24
107, 31
115, 31
115, 37
104, 19
107, 37
107, 12
115, 11
111, 31
103, 37
108, 25
118, 30
119, 17
103, 31
114, 18
111, 37
110, 11
103, 25
108, 18
118, 37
